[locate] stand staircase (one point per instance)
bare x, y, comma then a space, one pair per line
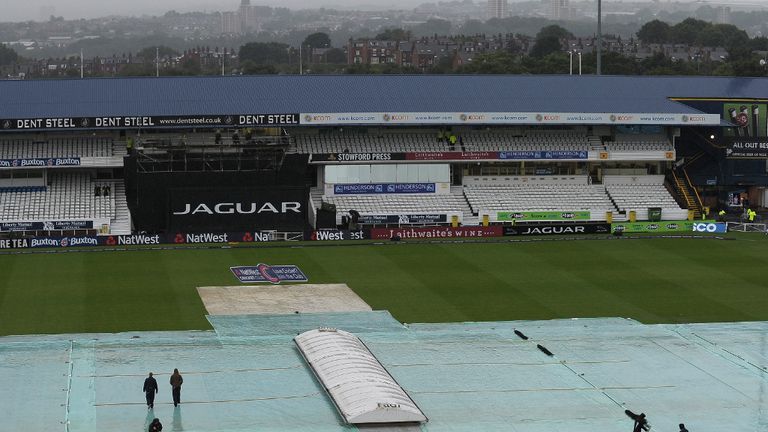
686, 191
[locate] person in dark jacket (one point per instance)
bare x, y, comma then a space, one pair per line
176, 382
155, 426
150, 389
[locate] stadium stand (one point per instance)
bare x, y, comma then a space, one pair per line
567, 194
401, 204
56, 147
69, 196
427, 141
638, 193
640, 147
530, 140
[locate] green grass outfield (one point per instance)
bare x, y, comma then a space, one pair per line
653, 280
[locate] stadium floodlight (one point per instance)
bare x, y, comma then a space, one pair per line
599, 36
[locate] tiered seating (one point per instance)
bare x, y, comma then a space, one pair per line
532, 141
539, 197
428, 142
398, 204
69, 197
371, 143
630, 143
56, 147
640, 195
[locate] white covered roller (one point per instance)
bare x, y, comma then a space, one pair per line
362, 390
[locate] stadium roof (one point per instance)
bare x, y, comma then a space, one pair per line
191, 96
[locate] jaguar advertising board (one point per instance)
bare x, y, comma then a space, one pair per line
225, 209
554, 229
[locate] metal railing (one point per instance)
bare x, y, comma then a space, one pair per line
747, 227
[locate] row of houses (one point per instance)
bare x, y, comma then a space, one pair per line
427, 52
117, 65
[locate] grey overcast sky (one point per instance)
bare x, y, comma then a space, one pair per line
22, 10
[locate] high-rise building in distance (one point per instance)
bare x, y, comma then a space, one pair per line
498, 8
560, 10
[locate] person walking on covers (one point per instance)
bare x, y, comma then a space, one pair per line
150, 389
176, 382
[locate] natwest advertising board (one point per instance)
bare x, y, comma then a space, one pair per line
437, 232
227, 237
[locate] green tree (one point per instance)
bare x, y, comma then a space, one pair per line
7, 55
494, 63
553, 31
248, 67
655, 32
548, 41
394, 34
687, 31
150, 53
264, 53
317, 40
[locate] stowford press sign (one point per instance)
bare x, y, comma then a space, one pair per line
263, 273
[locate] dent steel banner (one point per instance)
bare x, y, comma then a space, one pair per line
136, 122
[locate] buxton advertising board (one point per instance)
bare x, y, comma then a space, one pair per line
222, 210
40, 162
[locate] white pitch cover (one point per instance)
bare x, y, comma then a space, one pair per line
360, 387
